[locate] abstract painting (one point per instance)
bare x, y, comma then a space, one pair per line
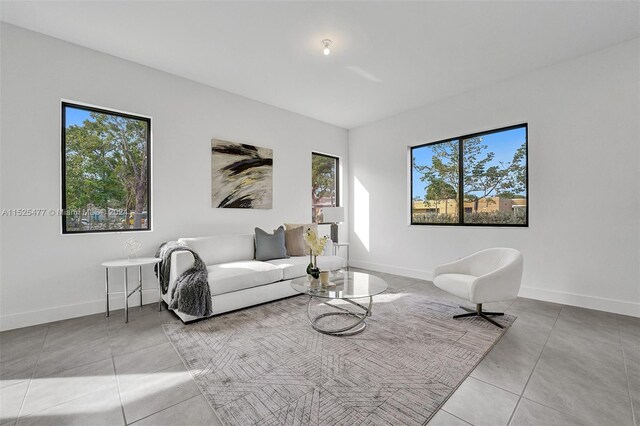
241, 176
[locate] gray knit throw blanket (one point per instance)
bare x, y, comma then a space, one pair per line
191, 294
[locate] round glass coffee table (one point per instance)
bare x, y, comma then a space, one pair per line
345, 285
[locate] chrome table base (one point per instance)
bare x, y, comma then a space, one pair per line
349, 330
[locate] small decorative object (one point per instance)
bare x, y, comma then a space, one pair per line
314, 283
314, 272
316, 248
132, 247
324, 278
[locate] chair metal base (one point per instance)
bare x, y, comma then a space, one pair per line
480, 313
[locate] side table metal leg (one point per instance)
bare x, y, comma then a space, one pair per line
140, 283
126, 296
106, 284
347, 258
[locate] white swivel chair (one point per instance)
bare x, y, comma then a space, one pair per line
491, 275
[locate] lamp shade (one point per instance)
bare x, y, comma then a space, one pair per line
333, 214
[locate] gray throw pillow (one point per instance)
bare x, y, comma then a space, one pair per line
270, 246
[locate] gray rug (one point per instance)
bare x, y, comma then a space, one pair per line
266, 366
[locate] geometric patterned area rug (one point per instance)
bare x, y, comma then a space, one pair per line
265, 365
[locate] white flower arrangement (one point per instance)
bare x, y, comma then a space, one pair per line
316, 243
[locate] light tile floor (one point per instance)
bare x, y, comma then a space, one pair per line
557, 365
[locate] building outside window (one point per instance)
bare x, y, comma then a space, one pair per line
106, 178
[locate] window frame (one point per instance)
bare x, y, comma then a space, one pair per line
460, 188
337, 160
92, 108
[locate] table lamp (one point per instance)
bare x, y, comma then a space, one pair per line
333, 215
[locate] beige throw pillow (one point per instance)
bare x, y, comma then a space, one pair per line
294, 242
304, 226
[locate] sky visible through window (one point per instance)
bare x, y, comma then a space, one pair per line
503, 144
76, 116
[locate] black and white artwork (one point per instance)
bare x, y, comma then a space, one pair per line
241, 176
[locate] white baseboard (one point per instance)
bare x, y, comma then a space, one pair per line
43, 316
390, 269
565, 298
582, 301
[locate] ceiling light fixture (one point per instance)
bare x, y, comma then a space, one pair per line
327, 46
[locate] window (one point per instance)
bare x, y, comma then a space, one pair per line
105, 170
489, 169
324, 184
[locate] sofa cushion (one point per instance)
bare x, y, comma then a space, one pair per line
305, 226
233, 276
294, 242
330, 263
222, 248
270, 246
295, 267
456, 284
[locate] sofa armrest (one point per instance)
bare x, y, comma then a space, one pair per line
469, 265
500, 284
181, 260
460, 266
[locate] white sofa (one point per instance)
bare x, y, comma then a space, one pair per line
236, 279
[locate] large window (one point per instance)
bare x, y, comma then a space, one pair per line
478, 179
324, 184
105, 170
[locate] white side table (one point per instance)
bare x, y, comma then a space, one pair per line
126, 264
336, 246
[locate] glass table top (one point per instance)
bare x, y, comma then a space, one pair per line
346, 285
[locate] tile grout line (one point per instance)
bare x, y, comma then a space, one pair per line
74, 366
534, 367
165, 408
59, 404
115, 375
33, 373
115, 372
626, 373
33, 377
90, 393
442, 404
150, 373
550, 408
494, 385
453, 415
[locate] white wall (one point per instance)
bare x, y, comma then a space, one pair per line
582, 246
46, 276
